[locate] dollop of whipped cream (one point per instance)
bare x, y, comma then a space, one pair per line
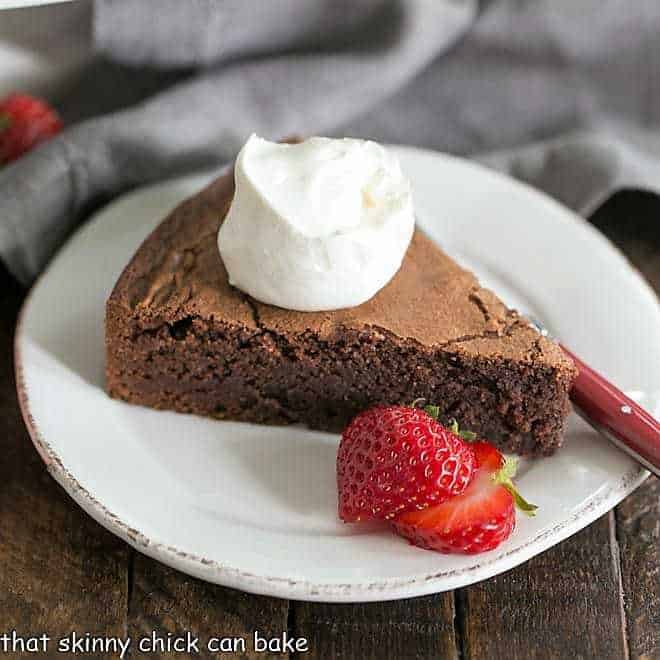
319, 225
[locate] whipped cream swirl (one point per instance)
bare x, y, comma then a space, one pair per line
319, 225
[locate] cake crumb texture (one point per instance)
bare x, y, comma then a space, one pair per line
179, 337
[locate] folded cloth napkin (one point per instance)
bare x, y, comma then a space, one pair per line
561, 94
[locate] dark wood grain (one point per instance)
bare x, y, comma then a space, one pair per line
167, 601
415, 628
632, 220
567, 602
638, 533
59, 570
564, 603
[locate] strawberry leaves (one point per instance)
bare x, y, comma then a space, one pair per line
469, 436
434, 411
504, 477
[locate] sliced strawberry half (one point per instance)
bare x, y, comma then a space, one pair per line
397, 458
477, 520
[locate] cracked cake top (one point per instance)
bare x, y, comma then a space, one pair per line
177, 274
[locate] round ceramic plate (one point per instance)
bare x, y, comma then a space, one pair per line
254, 507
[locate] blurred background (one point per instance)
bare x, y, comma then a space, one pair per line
563, 95
43, 48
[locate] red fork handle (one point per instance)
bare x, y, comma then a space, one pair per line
616, 416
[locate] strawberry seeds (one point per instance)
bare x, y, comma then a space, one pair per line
437, 489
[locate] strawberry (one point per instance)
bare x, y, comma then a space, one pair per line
25, 121
395, 458
477, 520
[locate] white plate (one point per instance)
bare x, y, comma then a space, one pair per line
253, 507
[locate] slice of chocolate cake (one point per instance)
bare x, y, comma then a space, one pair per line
179, 337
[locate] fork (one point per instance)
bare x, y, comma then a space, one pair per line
613, 414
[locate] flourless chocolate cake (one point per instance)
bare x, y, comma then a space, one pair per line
179, 337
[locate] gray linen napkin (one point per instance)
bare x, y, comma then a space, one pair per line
561, 94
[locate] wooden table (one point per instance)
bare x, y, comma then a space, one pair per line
595, 595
